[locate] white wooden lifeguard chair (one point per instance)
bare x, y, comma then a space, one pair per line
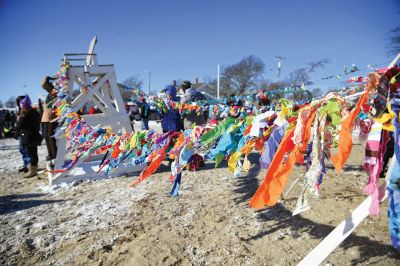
98, 84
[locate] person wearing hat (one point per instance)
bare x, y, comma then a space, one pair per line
171, 118
28, 129
263, 99
49, 127
191, 95
144, 113
22, 149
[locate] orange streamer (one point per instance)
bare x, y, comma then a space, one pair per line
151, 168
275, 180
157, 158
306, 137
116, 151
345, 135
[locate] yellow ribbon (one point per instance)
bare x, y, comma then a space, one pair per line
386, 119
232, 162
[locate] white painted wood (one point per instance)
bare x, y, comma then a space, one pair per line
345, 228
353, 96
106, 95
87, 171
90, 58
397, 58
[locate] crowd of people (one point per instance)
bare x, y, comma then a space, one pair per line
231, 106
31, 125
8, 120
175, 121
172, 119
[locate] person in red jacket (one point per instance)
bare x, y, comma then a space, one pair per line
92, 110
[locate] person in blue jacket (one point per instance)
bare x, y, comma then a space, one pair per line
144, 113
171, 119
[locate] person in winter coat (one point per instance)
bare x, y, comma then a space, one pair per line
2, 121
92, 110
192, 96
7, 119
22, 149
13, 119
193, 117
49, 127
28, 127
144, 113
171, 119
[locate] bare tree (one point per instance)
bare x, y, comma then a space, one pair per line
269, 85
299, 76
133, 82
239, 77
226, 87
131, 87
1, 104
263, 84
393, 47
302, 75
317, 64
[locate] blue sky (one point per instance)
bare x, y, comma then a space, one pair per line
185, 39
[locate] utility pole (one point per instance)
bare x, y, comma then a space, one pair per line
279, 59
149, 81
149, 78
218, 81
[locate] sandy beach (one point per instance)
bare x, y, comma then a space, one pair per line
104, 222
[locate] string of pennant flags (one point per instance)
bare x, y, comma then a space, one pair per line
291, 134
346, 72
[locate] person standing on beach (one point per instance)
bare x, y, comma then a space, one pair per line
144, 113
171, 118
192, 96
28, 128
49, 127
2, 121
13, 119
22, 149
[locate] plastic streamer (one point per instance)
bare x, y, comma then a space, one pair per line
292, 134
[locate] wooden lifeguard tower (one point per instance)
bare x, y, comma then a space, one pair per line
98, 84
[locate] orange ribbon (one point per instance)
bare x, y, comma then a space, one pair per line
345, 135
275, 180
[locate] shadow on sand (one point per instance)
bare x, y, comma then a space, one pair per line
247, 184
281, 218
19, 202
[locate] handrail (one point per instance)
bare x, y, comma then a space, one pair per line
76, 54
